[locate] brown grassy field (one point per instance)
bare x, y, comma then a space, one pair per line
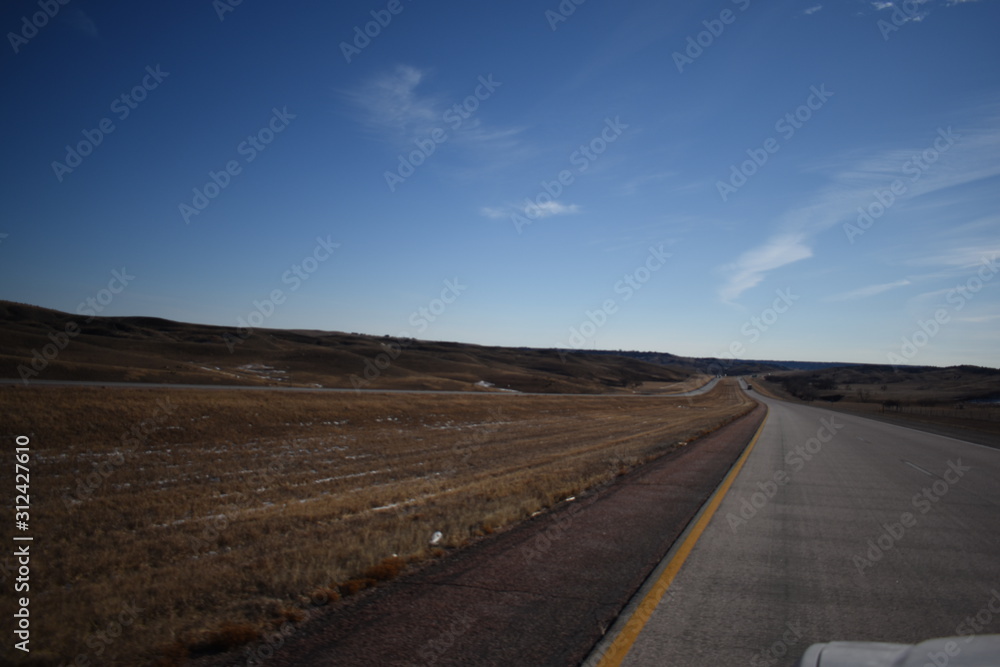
167, 520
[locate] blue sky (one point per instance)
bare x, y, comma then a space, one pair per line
625, 175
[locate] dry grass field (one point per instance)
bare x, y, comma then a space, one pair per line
167, 522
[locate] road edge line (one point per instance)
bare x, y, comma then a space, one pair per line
613, 648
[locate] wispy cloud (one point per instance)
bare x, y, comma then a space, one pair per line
870, 290
550, 208
751, 267
981, 319
389, 102
396, 106
960, 257
851, 183
493, 212
535, 212
812, 10
636, 184
912, 10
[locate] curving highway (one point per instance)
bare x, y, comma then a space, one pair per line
836, 528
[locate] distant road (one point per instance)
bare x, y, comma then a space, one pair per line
836, 528
707, 387
242, 387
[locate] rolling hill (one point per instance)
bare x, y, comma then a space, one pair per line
43, 344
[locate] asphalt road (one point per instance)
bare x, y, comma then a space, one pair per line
836, 528
705, 388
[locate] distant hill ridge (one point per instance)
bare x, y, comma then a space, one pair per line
42, 343
45, 344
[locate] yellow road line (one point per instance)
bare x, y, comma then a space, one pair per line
622, 644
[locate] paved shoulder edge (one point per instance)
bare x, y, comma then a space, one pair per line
614, 647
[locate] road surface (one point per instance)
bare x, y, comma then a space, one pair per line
836, 528
705, 388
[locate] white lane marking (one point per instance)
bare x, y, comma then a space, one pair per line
913, 465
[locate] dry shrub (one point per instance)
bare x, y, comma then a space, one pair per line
225, 637
172, 655
355, 586
323, 596
287, 614
388, 569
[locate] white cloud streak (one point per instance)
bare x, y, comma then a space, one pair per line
751, 267
870, 290
395, 106
852, 183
